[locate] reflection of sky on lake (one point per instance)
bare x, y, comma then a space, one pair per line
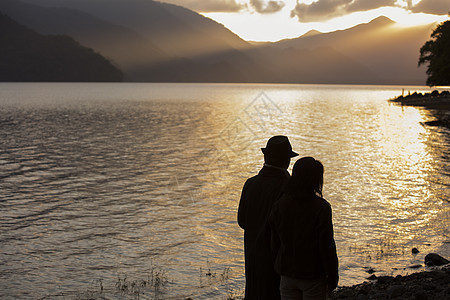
101, 180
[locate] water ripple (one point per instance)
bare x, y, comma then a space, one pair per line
93, 187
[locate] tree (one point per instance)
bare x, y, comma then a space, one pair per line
436, 52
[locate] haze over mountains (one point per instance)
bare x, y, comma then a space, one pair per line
152, 41
26, 55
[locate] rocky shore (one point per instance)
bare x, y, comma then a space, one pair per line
433, 100
439, 103
433, 284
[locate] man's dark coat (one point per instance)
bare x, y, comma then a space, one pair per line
258, 195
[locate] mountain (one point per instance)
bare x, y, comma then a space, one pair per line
175, 29
322, 65
26, 55
311, 33
137, 53
125, 47
390, 51
179, 32
152, 41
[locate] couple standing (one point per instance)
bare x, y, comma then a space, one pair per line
289, 246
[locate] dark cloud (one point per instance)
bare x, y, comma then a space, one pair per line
365, 5
323, 10
209, 5
437, 7
267, 7
260, 6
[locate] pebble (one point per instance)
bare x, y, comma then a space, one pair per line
415, 266
432, 284
396, 291
361, 297
421, 296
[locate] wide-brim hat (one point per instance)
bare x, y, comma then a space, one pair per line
279, 146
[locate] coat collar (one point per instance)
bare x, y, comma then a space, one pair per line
271, 171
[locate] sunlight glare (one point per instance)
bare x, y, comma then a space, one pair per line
252, 26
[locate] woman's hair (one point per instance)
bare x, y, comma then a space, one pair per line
307, 177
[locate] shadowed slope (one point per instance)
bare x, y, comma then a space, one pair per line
389, 50
125, 47
28, 56
176, 30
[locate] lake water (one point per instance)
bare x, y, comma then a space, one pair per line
106, 185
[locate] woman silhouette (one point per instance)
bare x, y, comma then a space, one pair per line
302, 243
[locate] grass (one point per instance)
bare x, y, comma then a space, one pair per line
156, 281
154, 285
384, 247
213, 277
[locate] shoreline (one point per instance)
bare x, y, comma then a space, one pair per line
423, 285
433, 100
439, 102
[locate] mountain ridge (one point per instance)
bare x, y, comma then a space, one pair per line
389, 50
166, 42
26, 55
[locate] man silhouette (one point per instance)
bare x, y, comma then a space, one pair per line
258, 195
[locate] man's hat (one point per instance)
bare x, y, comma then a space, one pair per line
279, 146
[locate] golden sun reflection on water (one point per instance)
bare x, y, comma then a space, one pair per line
379, 162
158, 169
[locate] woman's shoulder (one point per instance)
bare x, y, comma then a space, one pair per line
323, 203
286, 197
283, 200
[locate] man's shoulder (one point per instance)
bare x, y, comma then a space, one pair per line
251, 179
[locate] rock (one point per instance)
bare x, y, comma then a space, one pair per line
433, 259
385, 279
362, 297
396, 291
415, 250
370, 270
428, 287
346, 293
421, 296
415, 266
372, 277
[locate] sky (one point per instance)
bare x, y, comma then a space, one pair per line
273, 20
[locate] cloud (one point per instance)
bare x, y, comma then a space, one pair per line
437, 7
267, 7
323, 10
209, 5
260, 6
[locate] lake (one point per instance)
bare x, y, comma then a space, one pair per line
131, 190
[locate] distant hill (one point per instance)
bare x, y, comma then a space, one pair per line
129, 50
153, 41
176, 30
26, 55
320, 65
390, 51
137, 55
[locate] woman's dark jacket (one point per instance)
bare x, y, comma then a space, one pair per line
258, 195
302, 238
